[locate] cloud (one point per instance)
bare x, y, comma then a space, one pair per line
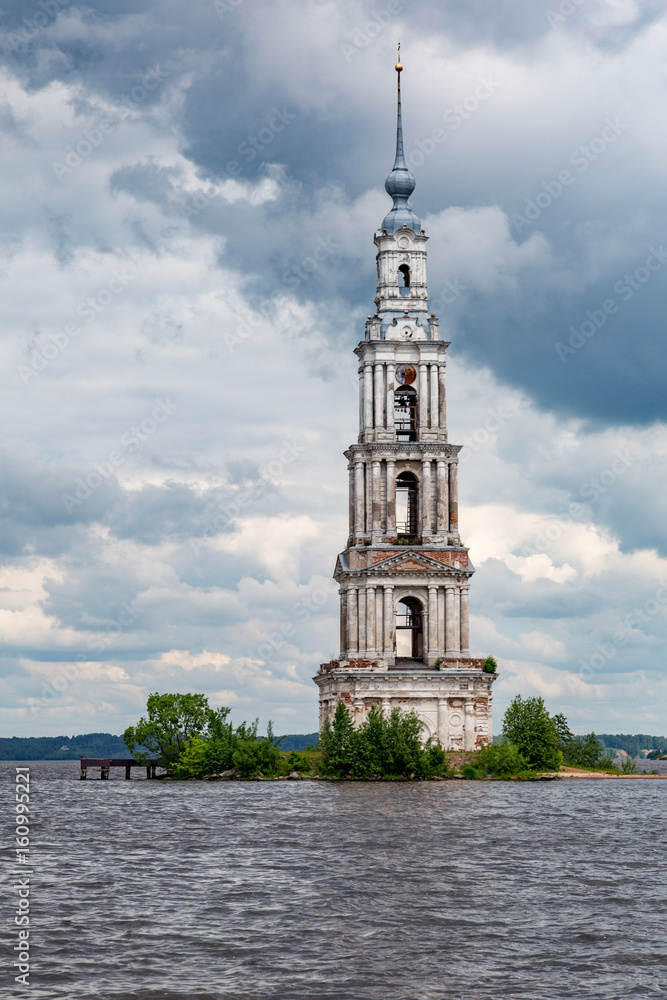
187, 262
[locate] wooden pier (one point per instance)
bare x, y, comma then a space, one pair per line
105, 764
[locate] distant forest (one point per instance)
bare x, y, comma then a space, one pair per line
97, 745
106, 745
633, 744
51, 747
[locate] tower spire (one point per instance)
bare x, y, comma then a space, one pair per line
400, 183
399, 162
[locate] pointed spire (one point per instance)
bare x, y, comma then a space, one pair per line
399, 162
400, 183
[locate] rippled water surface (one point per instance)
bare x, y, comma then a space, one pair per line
306, 890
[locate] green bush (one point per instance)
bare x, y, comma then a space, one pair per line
586, 751
296, 761
528, 725
490, 665
253, 757
629, 766
469, 772
502, 760
385, 745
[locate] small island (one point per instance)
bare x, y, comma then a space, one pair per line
189, 740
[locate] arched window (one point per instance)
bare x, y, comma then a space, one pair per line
404, 279
405, 413
407, 507
409, 631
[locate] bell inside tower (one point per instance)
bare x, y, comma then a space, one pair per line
409, 632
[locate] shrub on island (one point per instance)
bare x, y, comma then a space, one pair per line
385, 745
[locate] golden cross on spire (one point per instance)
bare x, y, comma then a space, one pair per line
398, 64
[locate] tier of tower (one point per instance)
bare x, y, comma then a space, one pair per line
372, 491
367, 620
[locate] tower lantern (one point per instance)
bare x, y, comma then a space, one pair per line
405, 575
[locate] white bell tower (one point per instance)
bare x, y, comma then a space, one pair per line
405, 575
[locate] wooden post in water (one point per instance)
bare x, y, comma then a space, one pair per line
153, 766
128, 772
104, 776
148, 771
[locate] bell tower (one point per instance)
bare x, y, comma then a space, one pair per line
405, 575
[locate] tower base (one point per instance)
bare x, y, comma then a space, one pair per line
453, 703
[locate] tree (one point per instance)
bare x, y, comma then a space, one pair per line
502, 760
384, 745
171, 722
528, 725
585, 751
334, 739
563, 730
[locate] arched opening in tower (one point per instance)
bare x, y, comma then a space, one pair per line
407, 507
404, 279
405, 413
409, 631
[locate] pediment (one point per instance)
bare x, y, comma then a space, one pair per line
412, 561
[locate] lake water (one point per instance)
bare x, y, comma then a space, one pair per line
290, 890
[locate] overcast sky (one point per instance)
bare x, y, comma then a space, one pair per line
178, 377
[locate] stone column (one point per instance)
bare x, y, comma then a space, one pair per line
391, 378
441, 620
368, 396
469, 725
377, 500
351, 498
369, 499
379, 631
362, 410
370, 619
391, 498
359, 506
453, 497
423, 396
343, 622
379, 394
389, 620
432, 624
465, 623
442, 495
443, 723
434, 398
451, 645
352, 622
361, 599
426, 498
442, 419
